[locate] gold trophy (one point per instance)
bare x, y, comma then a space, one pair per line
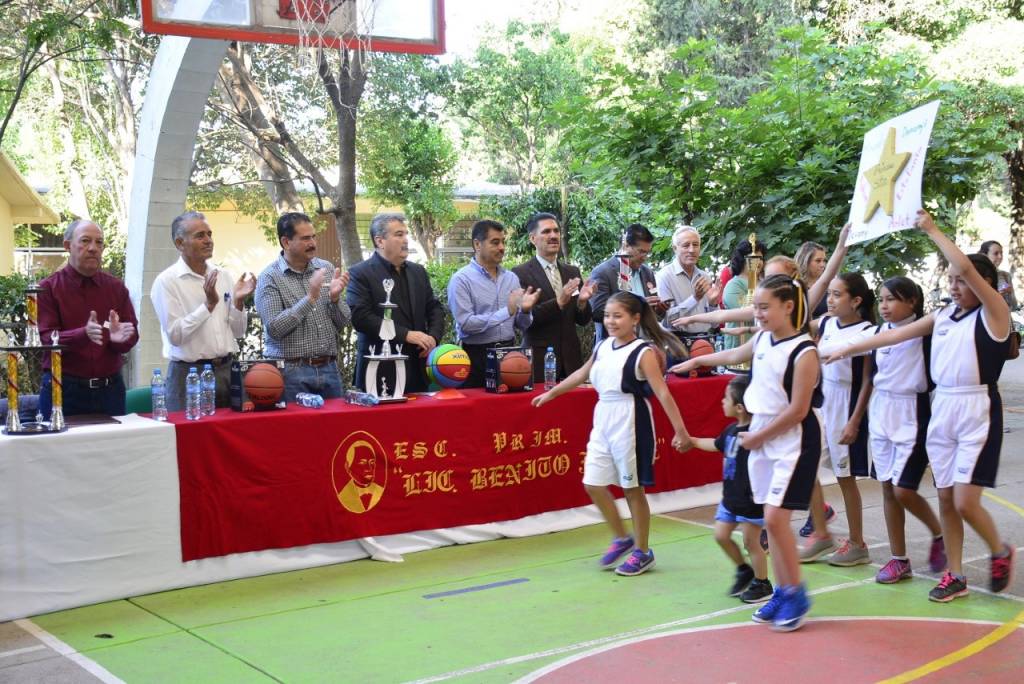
754, 267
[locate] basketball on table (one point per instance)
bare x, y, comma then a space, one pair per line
449, 365
264, 384
516, 370
701, 348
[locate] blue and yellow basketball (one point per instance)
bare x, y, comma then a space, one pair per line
449, 365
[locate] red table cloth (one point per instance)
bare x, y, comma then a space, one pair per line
279, 479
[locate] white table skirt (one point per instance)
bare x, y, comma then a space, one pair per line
92, 515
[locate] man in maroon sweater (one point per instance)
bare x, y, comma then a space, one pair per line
93, 314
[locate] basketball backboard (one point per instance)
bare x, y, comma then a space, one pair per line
415, 26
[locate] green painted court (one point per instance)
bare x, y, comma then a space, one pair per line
502, 610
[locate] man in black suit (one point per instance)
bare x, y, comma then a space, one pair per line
640, 279
563, 302
419, 318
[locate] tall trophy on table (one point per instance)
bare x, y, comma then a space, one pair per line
385, 354
33, 348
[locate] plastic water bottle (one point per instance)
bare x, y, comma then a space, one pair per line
192, 403
159, 394
720, 346
309, 400
207, 391
354, 396
550, 369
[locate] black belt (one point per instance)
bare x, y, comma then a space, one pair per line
91, 383
489, 345
313, 360
202, 362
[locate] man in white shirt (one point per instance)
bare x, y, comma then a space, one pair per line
200, 310
690, 289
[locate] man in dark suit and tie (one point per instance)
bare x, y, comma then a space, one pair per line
563, 303
419, 318
636, 277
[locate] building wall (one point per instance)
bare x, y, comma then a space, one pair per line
6, 239
240, 245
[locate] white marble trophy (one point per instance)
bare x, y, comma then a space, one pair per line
385, 355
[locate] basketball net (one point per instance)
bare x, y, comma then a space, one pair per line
319, 21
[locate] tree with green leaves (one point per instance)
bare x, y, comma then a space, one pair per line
507, 95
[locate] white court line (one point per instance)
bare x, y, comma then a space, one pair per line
547, 669
87, 664
632, 634
19, 651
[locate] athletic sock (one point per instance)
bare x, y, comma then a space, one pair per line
901, 558
1002, 554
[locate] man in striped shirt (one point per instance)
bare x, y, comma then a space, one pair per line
299, 299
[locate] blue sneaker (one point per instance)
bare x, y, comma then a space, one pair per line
793, 613
808, 529
618, 549
637, 563
768, 611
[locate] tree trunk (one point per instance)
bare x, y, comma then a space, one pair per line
242, 96
425, 231
345, 91
77, 202
1015, 250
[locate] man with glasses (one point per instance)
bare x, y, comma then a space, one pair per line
635, 276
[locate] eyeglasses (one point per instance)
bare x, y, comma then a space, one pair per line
639, 251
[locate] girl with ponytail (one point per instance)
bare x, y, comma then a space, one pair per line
784, 438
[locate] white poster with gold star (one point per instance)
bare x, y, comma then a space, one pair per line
888, 191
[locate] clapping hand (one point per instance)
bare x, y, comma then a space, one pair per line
586, 292
243, 288
210, 288
529, 298
120, 332
316, 283
93, 329
567, 291
338, 283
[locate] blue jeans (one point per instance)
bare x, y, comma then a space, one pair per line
324, 380
79, 399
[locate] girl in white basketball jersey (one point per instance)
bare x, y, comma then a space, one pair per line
898, 424
846, 388
625, 370
970, 341
784, 438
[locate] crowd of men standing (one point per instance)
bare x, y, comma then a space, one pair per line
304, 302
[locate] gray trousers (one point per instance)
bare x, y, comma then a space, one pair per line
177, 371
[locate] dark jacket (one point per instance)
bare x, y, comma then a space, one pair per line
606, 278
418, 309
553, 327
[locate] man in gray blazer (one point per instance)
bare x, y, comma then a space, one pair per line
636, 247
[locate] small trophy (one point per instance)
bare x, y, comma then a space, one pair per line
56, 386
32, 310
386, 355
13, 425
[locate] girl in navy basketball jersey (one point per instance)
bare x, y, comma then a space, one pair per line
970, 342
898, 425
784, 438
846, 388
625, 370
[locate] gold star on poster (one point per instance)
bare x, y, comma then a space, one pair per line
882, 176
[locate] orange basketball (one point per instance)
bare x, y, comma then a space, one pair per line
516, 370
264, 384
701, 348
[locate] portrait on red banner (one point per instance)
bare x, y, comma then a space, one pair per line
360, 463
